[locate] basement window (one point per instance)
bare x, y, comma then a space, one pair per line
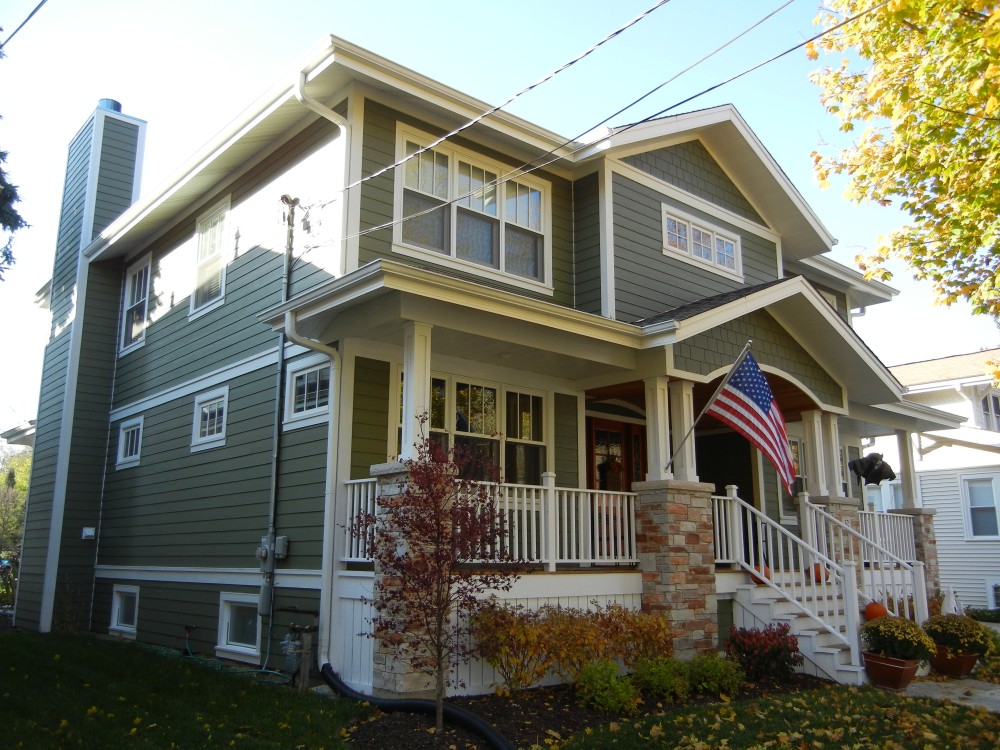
124, 611
239, 627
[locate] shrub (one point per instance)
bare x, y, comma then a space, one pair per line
958, 633
600, 686
511, 640
572, 639
664, 678
712, 674
897, 638
635, 635
767, 653
983, 615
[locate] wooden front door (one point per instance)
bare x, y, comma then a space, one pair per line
617, 453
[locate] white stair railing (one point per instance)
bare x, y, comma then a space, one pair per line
800, 572
882, 575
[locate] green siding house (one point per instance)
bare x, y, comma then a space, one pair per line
240, 358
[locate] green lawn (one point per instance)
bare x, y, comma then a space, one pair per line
84, 692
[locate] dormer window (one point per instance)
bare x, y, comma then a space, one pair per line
700, 243
460, 210
990, 409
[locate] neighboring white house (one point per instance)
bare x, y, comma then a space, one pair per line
957, 472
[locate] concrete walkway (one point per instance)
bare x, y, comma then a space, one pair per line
968, 692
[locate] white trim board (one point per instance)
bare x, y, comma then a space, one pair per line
291, 578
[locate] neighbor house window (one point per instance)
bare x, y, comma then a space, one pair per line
700, 242
124, 610
990, 409
307, 392
129, 443
210, 412
463, 208
239, 625
993, 594
980, 495
210, 266
135, 309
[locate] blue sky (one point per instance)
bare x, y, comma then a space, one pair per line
188, 67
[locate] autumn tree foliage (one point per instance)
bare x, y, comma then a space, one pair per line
918, 82
438, 549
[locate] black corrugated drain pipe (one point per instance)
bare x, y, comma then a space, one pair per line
452, 714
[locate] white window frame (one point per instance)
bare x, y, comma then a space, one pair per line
450, 260
124, 461
963, 481
315, 415
988, 411
992, 599
144, 264
199, 442
117, 627
235, 651
685, 250
217, 215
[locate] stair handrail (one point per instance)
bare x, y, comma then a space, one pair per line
838, 576
916, 570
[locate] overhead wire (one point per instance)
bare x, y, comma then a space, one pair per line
22, 24
531, 166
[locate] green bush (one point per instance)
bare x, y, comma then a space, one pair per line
983, 615
600, 686
712, 674
664, 678
769, 653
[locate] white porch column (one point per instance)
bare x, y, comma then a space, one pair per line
681, 393
831, 453
906, 471
812, 428
416, 384
657, 429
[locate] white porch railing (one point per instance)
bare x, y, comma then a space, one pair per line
546, 524
777, 558
892, 531
883, 576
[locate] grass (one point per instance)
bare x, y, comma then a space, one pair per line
78, 691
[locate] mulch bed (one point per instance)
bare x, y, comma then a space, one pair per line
525, 719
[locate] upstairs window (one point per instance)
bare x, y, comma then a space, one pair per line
990, 410
135, 310
981, 500
210, 265
699, 242
307, 392
210, 412
461, 210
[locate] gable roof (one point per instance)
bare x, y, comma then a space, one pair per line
969, 366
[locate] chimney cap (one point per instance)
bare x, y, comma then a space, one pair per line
109, 104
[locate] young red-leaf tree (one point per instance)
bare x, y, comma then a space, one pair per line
439, 548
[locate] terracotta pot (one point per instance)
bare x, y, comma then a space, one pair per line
891, 674
957, 665
756, 579
820, 573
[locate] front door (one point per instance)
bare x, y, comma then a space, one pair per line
617, 454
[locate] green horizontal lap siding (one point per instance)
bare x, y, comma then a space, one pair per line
379, 151
370, 421
649, 281
691, 168
116, 172
567, 434
719, 347
301, 495
587, 228
177, 349
204, 508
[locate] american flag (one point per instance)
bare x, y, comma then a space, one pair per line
747, 405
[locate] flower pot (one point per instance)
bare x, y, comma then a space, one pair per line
757, 579
891, 674
953, 665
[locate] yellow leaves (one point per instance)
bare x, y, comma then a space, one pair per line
811, 52
991, 104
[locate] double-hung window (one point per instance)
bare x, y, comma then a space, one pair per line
129, 443
210, 262
135, 308
700, 242
465, 209
210, 413
982, 505
990, 411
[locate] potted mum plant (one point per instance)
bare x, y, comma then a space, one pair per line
959, 641
893, 649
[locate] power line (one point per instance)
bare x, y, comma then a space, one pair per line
30, 15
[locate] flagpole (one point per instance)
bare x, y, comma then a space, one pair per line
723, 384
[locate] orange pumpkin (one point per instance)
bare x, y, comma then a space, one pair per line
875, 610
820, 573
756, 579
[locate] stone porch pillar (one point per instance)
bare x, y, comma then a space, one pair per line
926, 543
677, 558
416, 384
393, 676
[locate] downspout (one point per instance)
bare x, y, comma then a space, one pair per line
333, 428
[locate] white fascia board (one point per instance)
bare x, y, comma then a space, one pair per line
847, 276
942, 419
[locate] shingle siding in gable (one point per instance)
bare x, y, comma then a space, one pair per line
649, 281
690, 167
